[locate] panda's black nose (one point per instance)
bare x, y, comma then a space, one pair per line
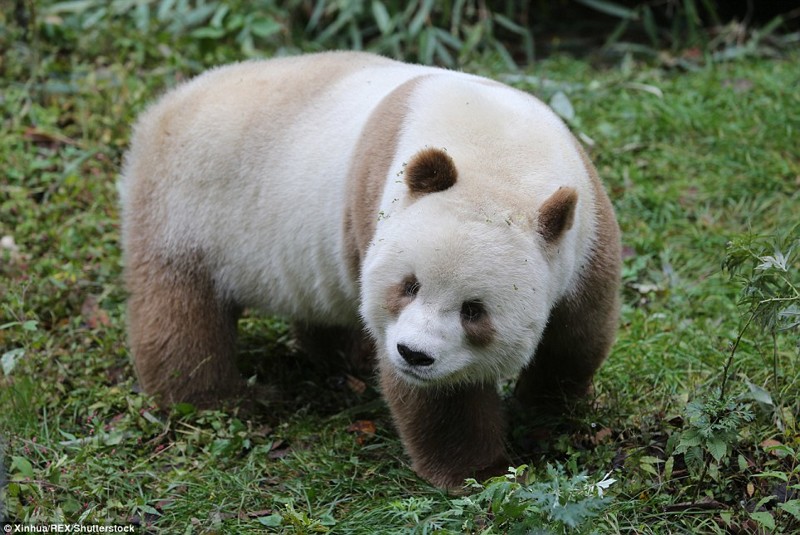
415, 358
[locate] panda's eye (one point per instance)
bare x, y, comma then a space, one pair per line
411, 286
472, 311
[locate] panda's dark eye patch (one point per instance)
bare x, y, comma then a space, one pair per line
472, 311
402, 294
477, 324
411, 286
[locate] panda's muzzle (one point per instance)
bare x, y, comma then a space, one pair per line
414, 358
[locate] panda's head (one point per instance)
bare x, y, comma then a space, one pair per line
451, 295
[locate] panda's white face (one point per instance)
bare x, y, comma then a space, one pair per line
452, 296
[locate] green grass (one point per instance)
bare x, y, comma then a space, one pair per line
692, 160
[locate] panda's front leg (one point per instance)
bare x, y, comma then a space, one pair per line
578, 338
451, 432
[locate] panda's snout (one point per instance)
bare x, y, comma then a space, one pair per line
414, 358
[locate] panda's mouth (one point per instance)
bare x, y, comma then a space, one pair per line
415, 375
427, 377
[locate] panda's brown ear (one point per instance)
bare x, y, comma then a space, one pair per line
430, 170
557, 213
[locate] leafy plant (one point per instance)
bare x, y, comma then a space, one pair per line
686, 27
172, 26
691, 30
560, 503
786, 509
712, 428
769, 273
769, 270
770, 298
421, 30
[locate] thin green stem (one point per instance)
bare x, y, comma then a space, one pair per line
701, 478
729, 362
775, 359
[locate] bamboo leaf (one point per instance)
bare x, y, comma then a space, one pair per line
382, 18
611, 8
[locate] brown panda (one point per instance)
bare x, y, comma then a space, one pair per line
454, 218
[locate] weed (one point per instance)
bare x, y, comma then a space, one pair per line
712, 429
559, 503
768, 270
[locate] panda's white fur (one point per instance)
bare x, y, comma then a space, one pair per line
238, 192
259, 187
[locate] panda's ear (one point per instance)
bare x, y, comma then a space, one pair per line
557, 214
430, 170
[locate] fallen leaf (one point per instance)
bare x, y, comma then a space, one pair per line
628, 252
256, 514
356, 385
262, 431
739, 85
601, 435
692, 53
93, 315
365, 427
279, 450
770, 446
40, 137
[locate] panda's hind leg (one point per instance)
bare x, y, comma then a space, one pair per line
181, 333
